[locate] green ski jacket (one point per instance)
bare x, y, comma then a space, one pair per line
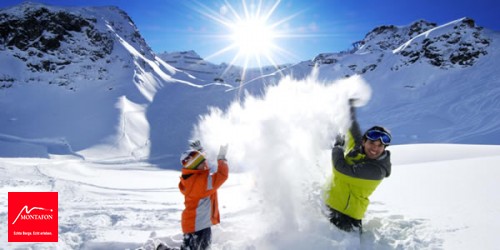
355, 176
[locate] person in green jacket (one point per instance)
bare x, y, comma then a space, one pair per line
360, 163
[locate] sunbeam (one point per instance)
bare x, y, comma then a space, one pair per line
252, 33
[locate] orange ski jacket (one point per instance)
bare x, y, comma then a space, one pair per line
199, 188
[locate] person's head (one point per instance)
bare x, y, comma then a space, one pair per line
375, 140
193, 159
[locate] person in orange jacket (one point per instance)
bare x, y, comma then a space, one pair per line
199, 188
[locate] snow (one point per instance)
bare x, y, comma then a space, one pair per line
427, 203
439, 196
455, 196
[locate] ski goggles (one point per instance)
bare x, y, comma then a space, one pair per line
375, 135
193, 160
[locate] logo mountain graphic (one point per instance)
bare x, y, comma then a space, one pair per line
28, 212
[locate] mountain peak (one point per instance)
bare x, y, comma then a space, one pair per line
457, 43
387, 37
58, 44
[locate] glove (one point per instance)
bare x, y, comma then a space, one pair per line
222, 152
352, 108
353, 102
196, 145
339, 141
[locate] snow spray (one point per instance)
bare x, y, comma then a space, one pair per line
284, 138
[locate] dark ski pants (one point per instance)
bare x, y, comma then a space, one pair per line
199, 240
344, 222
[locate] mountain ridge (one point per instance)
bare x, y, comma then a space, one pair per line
109, 91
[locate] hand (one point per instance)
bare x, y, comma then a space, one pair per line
339, 141
196, 145
352, 108
222, 152
354, 102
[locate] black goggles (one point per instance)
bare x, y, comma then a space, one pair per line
374, 135
192, 154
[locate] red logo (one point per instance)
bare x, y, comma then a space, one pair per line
33, 217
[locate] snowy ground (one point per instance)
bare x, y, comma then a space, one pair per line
439, 196
431, 201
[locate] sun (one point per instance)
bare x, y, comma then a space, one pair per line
253, 37
251, 34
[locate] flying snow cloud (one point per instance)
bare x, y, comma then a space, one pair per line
284, 138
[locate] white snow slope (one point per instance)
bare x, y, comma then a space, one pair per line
439, 196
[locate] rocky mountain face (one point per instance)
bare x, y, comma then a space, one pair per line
57, 45
456, 44
389, 37
72, 78
41, 32
460, 46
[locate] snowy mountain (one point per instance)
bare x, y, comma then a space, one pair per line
76, 42
104, 89
425, 79
90, 112
75, 80
191, 62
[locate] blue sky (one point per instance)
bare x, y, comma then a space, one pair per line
307, 28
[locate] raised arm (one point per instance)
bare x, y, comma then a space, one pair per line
343, 156
354, 136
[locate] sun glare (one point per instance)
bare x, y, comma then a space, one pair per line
253, 37
251, 34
